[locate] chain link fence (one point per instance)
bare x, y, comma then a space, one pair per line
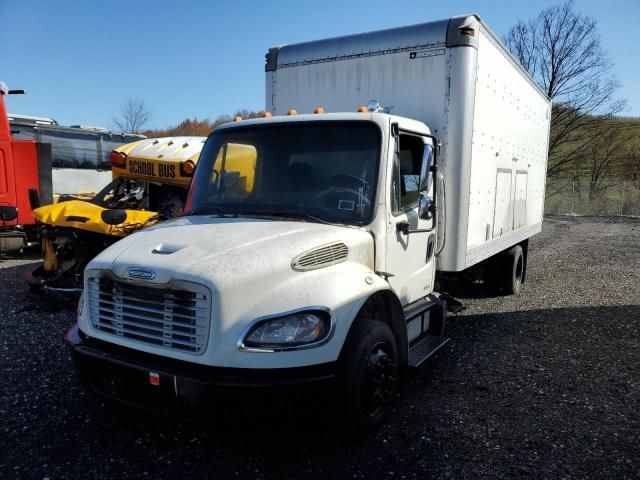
606, 198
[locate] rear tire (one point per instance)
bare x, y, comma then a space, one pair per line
368, 375
512, 270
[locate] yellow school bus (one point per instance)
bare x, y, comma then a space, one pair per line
170, 160
151, 179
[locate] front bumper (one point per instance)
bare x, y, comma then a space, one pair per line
160, 383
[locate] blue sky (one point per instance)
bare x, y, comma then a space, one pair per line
79, 61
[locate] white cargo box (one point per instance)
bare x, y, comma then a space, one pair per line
455, 75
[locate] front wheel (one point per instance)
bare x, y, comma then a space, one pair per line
369, 374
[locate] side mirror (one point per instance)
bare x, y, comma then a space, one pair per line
425, 169
7, 214
114, 216
425, 209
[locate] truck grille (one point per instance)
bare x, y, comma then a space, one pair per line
169, 318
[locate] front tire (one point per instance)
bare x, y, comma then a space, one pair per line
368, 375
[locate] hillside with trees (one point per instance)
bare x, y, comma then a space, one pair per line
201, 128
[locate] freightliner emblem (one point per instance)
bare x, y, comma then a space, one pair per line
140, 273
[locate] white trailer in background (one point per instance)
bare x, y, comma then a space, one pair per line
488, 115
310, 242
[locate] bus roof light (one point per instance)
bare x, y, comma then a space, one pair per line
118, 159
187, 168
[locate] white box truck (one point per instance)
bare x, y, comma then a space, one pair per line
311, 241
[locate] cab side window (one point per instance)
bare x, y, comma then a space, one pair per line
406, 173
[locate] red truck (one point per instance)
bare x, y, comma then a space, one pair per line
25, 181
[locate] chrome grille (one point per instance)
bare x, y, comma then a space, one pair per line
321, 257
170, 318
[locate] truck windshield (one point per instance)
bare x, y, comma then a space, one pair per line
322, 170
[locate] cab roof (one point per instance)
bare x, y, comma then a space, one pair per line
383, 119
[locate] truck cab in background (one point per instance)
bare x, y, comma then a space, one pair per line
314, 257
25, 176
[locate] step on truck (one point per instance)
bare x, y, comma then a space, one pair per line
320, 264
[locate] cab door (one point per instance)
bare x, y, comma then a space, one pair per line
410, 259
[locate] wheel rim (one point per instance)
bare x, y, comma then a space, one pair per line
378, 380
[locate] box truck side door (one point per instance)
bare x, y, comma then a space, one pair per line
502, 213
520, 200
409, 257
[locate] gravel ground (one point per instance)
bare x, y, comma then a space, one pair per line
544, 385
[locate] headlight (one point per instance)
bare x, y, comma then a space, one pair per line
289, 331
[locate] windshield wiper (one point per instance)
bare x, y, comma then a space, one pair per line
288, 214
214, 211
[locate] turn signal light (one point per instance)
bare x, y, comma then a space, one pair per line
118, 159
362, 109
187, 168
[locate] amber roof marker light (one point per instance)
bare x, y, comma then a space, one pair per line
187, 168
467, 31
118, 159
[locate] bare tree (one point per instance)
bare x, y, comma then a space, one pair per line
561, 49
134, 115
605, 151
631, 163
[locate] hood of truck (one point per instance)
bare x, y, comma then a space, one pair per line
250, 268
217, 251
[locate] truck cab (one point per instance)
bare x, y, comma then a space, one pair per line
335, 239
24, 176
